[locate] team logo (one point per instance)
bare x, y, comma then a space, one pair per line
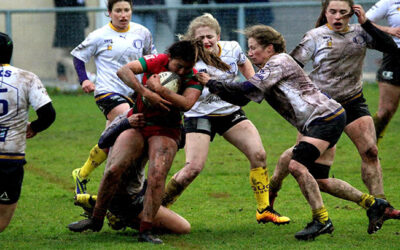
360, 39
138, 44
233, 68
110, 43
388, 75
4, 197
328, 41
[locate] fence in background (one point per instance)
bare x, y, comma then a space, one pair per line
33, 29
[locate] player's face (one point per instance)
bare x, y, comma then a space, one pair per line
338, 15
180, 67
209, 38
257, 53
121, 15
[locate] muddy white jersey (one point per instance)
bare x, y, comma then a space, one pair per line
111, 50
389, 10
337, 59
19, 89
288, 89
211, 104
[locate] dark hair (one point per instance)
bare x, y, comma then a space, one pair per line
192, 51
322, 18
6, 48
110, 3
266, 35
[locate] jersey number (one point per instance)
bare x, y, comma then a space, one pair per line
4, 104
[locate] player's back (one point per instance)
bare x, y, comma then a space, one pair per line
18, 89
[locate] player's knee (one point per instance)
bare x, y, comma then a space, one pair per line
371, 154
194, 168
259, 158
305, 153
323, 184
184, 228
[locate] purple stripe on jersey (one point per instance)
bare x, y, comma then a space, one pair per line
80, 70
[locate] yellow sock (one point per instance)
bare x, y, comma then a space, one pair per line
321, 214
366, 201
260, 184
172, 192
85, 200
96, 157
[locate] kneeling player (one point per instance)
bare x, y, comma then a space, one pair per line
126, 206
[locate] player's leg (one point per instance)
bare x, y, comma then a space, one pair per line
389, 96
281, 171
161, 150
168, 220
6, 214
246, 138
111, 109
304, 155
341, 189
198, 136
11, 177
362, 132
127, 149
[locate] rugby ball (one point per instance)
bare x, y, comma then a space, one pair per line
169, 80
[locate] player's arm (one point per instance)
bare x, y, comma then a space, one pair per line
234, 92
127, 74
384, 42
46, 116
87, 85
247, 69
119, 125
183, 102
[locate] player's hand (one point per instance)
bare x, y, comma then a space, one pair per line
88, 86
156, 100
29, 131
137, 120
394, 31
203, 78
360, 13
153, 83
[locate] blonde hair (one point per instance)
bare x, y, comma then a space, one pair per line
204, 20
266, 35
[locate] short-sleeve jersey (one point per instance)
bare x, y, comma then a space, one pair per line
154, 64
19, 89
337, 59
389, 10
211, 104
288, 89
111, 50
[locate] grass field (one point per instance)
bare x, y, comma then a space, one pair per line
219, 204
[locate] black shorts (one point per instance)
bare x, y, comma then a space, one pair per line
107, 101
11, 176
126, 207
329, 131
211, 125
389, 71
355, 109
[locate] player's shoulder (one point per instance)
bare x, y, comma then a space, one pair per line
229, 45
137, 27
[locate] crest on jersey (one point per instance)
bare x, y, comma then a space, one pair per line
138, 44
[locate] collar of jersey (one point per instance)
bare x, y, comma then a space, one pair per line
220, 50
344, 31
117, 30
